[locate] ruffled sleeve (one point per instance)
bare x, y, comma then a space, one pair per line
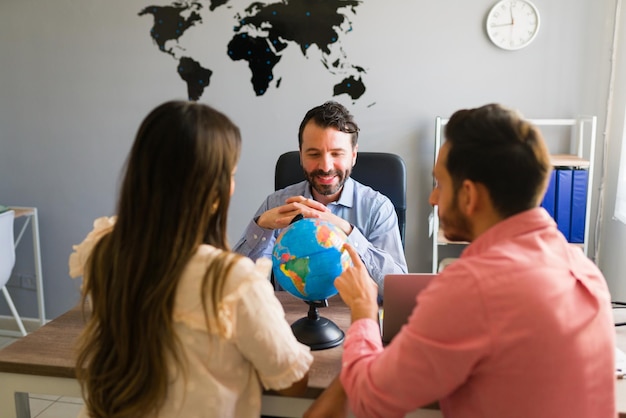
188, 307
78, 258
227, 308
249, 316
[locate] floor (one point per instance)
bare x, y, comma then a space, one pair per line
46, 406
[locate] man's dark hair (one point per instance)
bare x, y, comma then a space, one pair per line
496, 147
331, 115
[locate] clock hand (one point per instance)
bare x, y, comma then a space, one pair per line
511, 11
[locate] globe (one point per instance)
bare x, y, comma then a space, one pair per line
308, 256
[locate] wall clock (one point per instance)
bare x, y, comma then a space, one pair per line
512, 24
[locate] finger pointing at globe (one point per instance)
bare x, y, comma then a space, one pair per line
357, 289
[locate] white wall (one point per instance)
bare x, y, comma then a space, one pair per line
613, 232
76, 78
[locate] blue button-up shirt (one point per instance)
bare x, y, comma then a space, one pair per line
375, 234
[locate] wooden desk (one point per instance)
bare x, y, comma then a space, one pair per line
43, 362
327, 362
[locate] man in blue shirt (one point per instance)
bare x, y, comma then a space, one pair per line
328, 150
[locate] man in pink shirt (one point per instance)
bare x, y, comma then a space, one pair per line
519, 326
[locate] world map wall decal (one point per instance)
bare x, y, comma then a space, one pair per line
262, 32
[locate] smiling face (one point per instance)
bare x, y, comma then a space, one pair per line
455, 224
327, 158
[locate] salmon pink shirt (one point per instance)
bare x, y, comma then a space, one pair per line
519, 326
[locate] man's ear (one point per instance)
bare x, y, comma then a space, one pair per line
469, 197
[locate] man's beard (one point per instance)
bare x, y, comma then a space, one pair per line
456, 225
327, 189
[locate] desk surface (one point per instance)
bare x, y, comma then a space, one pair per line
49, 351
327, 363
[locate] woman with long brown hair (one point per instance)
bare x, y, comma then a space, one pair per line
179, 325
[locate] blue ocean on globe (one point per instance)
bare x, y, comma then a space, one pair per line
308, 256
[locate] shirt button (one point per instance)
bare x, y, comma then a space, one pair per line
263, 239
255, 236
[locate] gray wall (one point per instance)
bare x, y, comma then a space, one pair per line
76, 78
612, 232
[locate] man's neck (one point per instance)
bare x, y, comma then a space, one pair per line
484, 222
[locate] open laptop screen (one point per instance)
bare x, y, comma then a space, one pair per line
399, 300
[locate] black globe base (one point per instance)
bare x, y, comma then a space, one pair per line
317, 332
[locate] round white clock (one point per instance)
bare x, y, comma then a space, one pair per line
512, 24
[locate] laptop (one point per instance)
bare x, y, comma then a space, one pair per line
399, 299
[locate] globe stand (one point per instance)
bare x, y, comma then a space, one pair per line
317, 332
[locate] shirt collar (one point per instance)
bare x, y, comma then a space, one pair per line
346, 198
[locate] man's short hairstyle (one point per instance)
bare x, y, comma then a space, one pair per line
496, 147
331, 115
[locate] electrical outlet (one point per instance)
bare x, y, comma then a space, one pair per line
28, 282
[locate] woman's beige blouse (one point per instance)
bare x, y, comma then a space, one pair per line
250, 346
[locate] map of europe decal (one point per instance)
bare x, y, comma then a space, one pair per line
262, 31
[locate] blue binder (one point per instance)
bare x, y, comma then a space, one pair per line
549, 199
580, 179
563, 204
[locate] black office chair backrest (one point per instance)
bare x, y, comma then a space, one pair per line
382, 171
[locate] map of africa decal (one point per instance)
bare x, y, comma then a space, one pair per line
262, 31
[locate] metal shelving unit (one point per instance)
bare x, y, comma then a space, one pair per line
581, 154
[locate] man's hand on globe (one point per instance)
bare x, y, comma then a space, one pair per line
318, 210
281, 216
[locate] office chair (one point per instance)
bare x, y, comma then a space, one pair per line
383, 172
7, 261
